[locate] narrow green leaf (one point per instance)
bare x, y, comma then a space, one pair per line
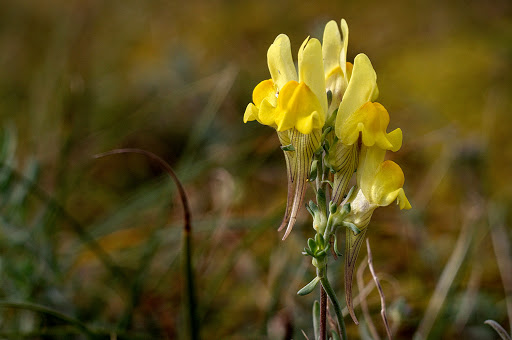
309, 287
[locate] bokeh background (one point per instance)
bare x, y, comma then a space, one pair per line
99, 240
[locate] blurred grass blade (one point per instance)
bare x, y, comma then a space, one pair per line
193, 323
51, 312
447, 277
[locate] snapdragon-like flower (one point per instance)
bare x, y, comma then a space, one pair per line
380, 183
326, 110
295, 104
360, 120
358, 116
336, 69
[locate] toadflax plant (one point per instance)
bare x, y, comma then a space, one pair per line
330, 127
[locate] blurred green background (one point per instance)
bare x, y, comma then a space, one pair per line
99, 240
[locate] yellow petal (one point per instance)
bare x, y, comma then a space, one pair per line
336, 83
370, 159
395, 138
331, 47
280, 61
350, 67
264, 90
360, 90
268, 114
343, 53
251, 113
370, 122
387, 186
311, 70
402, 200
297, 106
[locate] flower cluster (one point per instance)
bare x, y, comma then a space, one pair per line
326, 111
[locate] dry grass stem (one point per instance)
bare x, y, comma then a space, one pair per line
469, 299
500, 330
379, 288
447, 276
364, 304
503, 254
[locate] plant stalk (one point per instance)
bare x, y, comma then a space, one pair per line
334, 300
323, 313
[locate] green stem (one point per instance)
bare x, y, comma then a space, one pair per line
335, 303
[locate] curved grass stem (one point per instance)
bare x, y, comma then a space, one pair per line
191, 306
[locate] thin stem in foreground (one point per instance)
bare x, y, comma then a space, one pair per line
334, 300
323, 313
193, 324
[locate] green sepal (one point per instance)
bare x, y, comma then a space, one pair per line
346, 209
309, 209
325, 133
320, 253
331, 119
312, 245
351, 194
314, 170
288, 147
328, 182
313, 207
332, 207
319, 240
335, 246
326, 146
319, 151
352, 227
309, 287
320, 199
307, 252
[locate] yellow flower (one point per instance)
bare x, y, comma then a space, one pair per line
336, 69
360, 119
380, 183
295, 104
287, 101
358, 116
341, 158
